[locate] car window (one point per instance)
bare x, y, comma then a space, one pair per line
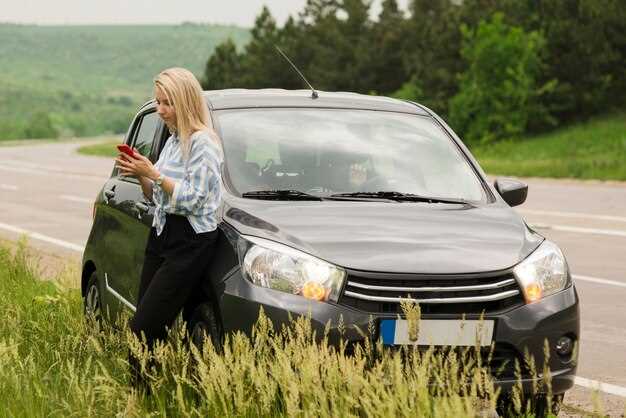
325, 151
145, 134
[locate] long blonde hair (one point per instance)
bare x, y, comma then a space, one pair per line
184, 93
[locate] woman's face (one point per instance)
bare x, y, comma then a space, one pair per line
165, 109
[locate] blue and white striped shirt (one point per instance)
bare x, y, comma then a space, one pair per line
198, 187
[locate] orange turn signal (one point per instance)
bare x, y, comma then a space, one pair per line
533, 293
313, 291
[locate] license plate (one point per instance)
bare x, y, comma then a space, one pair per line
437, 332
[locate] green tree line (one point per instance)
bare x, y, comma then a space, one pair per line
494, 68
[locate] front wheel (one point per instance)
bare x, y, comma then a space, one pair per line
92, 302
204, 324
537, 405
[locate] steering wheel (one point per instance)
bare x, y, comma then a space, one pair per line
319, 190
377, 182
268, 164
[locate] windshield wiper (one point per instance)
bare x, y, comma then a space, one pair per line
280, 195
401, 197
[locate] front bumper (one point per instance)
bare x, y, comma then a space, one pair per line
524, 329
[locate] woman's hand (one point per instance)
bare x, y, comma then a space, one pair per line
137, 166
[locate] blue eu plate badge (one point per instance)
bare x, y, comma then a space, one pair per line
437, 332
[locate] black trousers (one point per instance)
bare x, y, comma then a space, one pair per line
174, 264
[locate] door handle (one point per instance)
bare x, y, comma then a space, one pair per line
109, 194
141, 206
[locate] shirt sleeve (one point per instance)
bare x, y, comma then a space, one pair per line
193, 193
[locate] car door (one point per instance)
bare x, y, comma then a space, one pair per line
128, 216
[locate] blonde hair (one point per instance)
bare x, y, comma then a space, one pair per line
184, 93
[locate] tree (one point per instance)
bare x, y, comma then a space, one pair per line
319, 26
499, 91
585, 51
386, 51
262, 67
586, 45
41, 126
223, 69
433, 51
353, 46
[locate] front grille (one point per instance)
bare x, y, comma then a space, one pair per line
436, 294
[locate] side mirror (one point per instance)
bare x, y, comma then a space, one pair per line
513, 192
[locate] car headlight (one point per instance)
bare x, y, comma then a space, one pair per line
270, 264
543, 273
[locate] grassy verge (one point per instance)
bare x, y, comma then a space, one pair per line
34, 142
592, 150
54, 363
102, 149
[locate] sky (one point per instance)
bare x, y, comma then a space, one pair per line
74, 12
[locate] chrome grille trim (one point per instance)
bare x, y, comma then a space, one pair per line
468, 299
489, 286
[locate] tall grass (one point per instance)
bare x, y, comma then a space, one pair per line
55, 363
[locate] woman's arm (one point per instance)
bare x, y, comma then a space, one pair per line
188, 194
146, 187
142, 168
167, 185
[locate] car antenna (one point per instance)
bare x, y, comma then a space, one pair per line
314, 94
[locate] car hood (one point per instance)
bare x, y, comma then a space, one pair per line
391, 237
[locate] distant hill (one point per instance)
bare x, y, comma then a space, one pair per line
88, 80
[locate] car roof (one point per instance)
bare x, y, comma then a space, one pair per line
268, 98
245, 98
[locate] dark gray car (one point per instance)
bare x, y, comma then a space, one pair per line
343, 205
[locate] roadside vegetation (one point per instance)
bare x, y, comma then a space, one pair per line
95, 82
54, 363
106, 148
88, 141
496, 70
588, 150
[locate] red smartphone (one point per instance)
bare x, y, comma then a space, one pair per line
126, 150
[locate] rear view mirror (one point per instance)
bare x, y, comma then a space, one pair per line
513, 192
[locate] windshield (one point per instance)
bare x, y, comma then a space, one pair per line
330, 151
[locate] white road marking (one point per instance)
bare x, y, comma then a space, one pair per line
595, 231
36, 166
600, 386
8, 187
90, 177
44, 238
76, 198
574, 215
580, 381
598, 280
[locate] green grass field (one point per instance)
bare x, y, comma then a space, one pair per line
55, 363
89, 80
106, 148
591, 150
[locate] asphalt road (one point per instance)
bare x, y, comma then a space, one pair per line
48, 190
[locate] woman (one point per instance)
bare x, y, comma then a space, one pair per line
185, 186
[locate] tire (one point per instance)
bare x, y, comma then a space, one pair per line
538, 406
204, 324
92, 302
